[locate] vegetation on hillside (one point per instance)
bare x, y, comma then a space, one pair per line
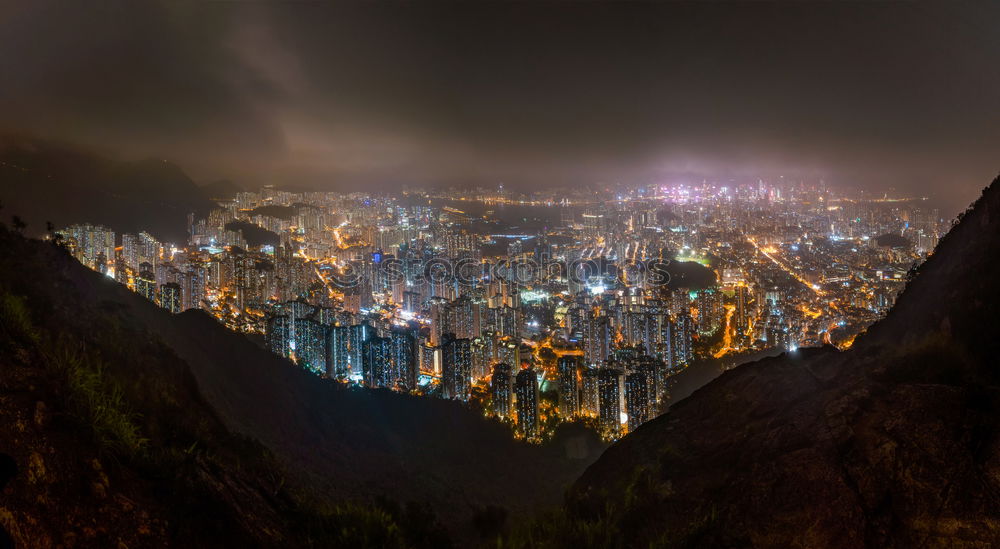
119, 446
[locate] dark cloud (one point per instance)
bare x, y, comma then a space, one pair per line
143, 77
345, 95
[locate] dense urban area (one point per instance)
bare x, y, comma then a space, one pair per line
561, 305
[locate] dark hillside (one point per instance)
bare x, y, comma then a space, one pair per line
202, 397
893, 443
112, 438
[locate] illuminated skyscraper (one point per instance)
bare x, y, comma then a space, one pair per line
149, 249
484, 354
293, 330
428, 357
710, 310
345, 349
609, 393
94, 245
656, 373
404, 359
510, 293
377, 362
462, 318
741, 316
130, 251
145, 285
596, 338
278, 334
594, 223
503, 320
636, 399
569, 385
310, 344
509, 351
637, 327
680, 302
121, 271
526, 392
501, 390
193, 293
590, 403
338, 348
456, 367
684, 339
777, 333
661, 332
356, 336
170, 297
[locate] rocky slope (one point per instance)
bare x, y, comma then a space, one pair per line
893, 443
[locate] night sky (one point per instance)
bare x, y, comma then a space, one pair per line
880, 94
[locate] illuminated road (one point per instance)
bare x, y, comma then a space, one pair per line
785, 268
337, 238
727, 334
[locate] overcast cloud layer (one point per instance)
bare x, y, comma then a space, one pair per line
884, 94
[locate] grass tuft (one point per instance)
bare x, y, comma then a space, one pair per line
15, 320
557, 528
95, 399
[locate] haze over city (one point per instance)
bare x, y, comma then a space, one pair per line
499, 274
348, 95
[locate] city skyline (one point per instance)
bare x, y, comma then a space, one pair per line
350, 96
602, 297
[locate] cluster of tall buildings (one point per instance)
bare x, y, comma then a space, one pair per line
542, 308
176, 282
514, 396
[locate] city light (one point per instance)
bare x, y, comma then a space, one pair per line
404, 296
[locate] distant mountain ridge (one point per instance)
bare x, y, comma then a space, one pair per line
43, 181
222, 189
